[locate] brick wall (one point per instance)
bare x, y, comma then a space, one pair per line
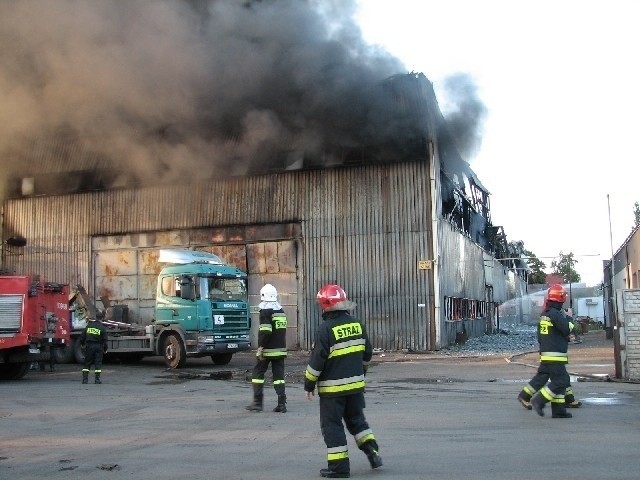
629, 310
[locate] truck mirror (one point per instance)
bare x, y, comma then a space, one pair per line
186, 288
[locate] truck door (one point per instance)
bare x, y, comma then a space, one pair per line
177, 302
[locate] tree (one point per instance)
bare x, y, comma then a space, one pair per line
537, 267
636, 215
564, 266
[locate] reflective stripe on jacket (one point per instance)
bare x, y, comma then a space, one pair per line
553, 334
338, 361
272, 333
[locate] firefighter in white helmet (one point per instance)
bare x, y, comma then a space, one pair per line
272, 348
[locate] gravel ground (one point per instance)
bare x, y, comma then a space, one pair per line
509, 341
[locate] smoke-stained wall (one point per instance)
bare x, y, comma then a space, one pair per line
364, 227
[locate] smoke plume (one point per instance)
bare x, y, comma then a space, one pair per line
157, 88
465, 114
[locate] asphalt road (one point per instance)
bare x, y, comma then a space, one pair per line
435, 417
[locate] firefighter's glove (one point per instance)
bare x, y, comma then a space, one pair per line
364, 369
259, 353
83, 346
104, 349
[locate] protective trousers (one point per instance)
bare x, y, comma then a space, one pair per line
350, 409
558, 378
540, 380
93, 356
257, 378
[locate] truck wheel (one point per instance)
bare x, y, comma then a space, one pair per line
221, 358
78, 352
64, 354
14, 371
175, 355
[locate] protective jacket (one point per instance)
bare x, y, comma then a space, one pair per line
554, 328
94, 332
340, 357
272, 333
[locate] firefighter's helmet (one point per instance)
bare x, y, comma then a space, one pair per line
268, 293
556, 293
330, 295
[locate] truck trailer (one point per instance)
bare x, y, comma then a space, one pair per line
201, 309
34, 321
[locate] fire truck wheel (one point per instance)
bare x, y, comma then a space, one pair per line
13, 371
221, 358
175, 355
63, 354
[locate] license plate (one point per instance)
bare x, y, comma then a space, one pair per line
232, 345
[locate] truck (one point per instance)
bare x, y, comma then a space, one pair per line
201, 309
34, 321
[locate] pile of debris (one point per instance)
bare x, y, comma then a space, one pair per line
507, 342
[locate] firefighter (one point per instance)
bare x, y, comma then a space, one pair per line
337, 368
93, 341
554, 328
524, 397
272, 348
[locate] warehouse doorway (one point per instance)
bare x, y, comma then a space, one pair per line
125, 269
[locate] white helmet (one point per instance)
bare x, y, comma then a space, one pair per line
268, 293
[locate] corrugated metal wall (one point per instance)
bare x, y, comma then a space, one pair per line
363, 227
461, 264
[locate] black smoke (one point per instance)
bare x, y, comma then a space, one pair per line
465, 114
157, 88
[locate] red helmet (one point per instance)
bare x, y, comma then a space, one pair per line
330, 295
556, 293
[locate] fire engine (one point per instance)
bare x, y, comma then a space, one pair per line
34, 319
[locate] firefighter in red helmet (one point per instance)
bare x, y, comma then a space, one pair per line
554, 328
337, 368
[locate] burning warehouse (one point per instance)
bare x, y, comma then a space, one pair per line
279, 143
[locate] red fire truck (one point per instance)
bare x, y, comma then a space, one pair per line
34, 319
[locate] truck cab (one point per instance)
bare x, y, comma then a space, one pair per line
201, 308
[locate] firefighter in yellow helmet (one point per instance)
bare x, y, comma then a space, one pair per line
272, 348
554, 328
337, 367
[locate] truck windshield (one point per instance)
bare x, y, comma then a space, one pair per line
226, 289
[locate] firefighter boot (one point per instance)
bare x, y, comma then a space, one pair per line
558, 410
282, 404
328, 473
85, 377
97, 380
256, 406
371, 450
525, 399
571, 402
538, 402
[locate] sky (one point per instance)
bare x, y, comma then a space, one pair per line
561, 84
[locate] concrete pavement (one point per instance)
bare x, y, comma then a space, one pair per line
435, 417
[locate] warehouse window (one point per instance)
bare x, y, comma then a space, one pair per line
457, 309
